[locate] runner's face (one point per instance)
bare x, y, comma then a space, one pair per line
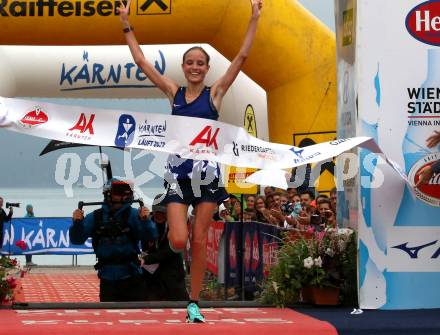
195, 66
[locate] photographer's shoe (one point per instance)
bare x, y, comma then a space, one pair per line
193, 314
29, 264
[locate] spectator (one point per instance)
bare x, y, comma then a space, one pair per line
260, 206
116, 230
296, 198
326, 213
263, 214
275, 215
306, 198
236, 211
284, 199
249, 215
250, 201
230, 202
269, 200
291, 191
320, 196
276, 200
224, 213
269, 190
163, 268
4, 218
334, 198
29, 214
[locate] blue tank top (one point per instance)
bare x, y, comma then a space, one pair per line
201, 107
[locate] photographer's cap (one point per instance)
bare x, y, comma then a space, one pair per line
119, 186
158, 205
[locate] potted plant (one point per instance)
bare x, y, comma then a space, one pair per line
10, 272
313, 267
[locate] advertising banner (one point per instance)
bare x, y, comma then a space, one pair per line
215, 232
398, 99
260, 246
45, 236
269, 241
233, 259
252, 255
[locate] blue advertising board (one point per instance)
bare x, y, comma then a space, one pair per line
41, 236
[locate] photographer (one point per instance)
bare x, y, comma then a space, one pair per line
326, 213
163, 268
116, 230
4, 218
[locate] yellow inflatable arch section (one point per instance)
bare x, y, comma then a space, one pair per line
293, 56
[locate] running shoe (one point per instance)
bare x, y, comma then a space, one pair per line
193, 314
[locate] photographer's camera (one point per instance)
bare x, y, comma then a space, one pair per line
287, 208
12, 204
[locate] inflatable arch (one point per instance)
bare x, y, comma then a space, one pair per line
109, 72
293, 57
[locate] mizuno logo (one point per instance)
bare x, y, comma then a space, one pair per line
413, 252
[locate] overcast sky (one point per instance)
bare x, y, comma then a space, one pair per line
322, 9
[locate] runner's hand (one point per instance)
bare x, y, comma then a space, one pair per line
123, 11
256, 8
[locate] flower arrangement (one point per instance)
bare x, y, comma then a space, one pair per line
10, 271
317, 259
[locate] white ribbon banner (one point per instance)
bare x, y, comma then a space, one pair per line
193, 138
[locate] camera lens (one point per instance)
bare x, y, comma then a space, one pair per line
315, 219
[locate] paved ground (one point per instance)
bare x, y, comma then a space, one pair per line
60, 284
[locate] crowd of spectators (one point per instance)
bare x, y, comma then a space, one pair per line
284, 208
